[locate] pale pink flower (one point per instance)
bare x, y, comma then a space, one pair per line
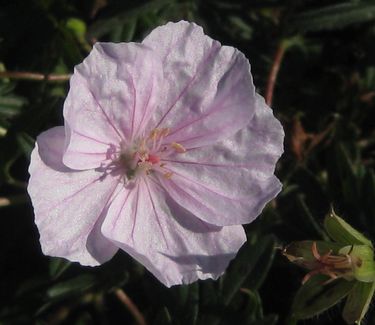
166, 151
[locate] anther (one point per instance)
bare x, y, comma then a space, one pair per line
164, 132
168, 175
154, 134
178, 147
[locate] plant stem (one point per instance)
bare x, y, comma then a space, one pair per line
12, 200
34, 76
272, 77
129, 304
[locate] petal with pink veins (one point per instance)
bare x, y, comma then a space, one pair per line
169, 241
112, 95
208, 92
230, 182
68, 228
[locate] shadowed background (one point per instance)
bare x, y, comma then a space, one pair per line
315, 60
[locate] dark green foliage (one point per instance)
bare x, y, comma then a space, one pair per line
315, 296
324, 97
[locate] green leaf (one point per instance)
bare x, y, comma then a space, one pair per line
314, 296
192, 305
254, 308
368, 192
267, 320
26, 143
309, 217
186, 302
240, 27
358, 302
340, 231
245, 264
129, 30
210, 294
57, 266
263, 265
7, 160
163, 317
108, 25
334, 17
11, 106
77, 26
12, 200
72, 286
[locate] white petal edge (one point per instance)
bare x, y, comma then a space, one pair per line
68, 205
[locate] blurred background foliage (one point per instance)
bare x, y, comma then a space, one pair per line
324, 97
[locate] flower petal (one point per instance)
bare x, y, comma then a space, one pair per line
208, 89
168, 240
230, 182
68, 205
112, 94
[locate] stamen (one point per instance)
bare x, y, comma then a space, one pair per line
314, 251
159, 133
164, 132
168, 175
145, 165
334, 266
178, 147
154, 134
145, 156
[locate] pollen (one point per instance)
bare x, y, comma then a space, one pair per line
168, 175
145, 156
158, 133
179, 148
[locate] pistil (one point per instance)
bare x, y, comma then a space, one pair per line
146, 156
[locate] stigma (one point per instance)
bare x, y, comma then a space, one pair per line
145, 156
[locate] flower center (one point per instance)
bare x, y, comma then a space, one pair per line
145, 155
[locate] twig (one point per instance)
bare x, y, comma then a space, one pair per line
278, 58
34, 76
129, 304
12, 200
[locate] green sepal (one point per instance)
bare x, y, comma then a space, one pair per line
362, 257
316, 296
358, 302
340, 231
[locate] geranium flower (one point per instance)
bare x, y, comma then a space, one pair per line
166, 151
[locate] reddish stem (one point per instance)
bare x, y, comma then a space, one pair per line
279, 55
23, 75
129, 304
